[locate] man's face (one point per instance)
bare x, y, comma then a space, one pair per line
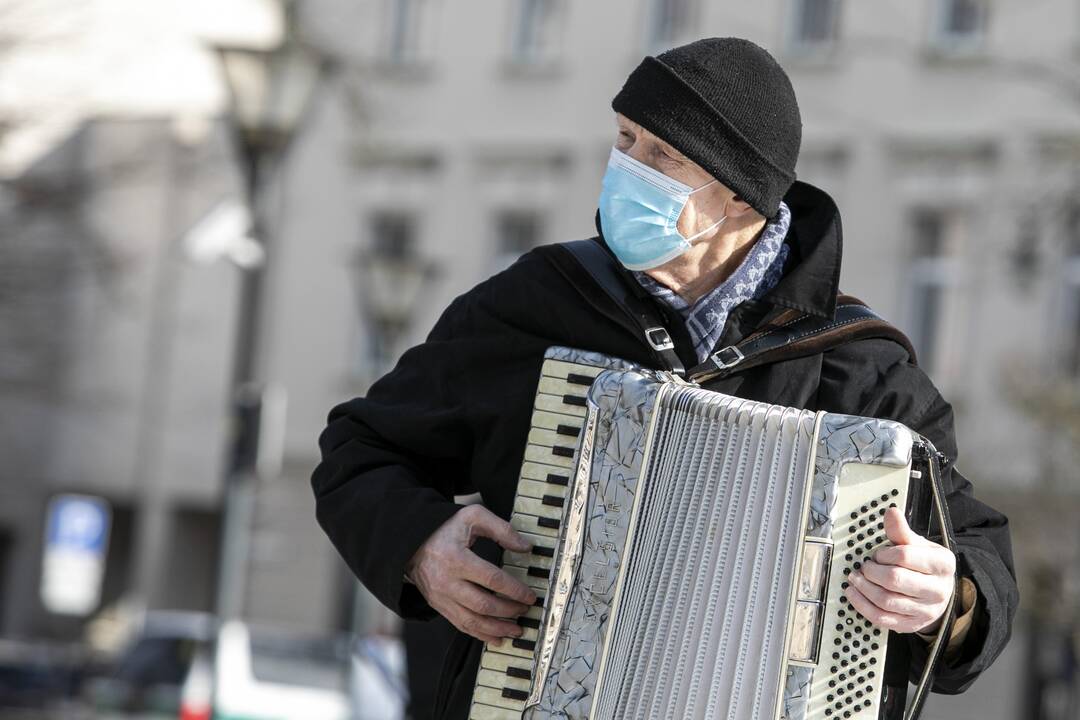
646, 148
703, 208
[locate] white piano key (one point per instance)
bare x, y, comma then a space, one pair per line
491, 696
544, 454
529, 524
487, 712
556, 404
551, 421
498, 680
533, 506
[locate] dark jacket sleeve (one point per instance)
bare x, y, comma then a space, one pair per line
392, 462
903, 392
449, 419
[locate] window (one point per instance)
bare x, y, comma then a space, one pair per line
668, 20
393, 235
959, 26
933, 279
408, 25
534, 38
815, 24
389, 279
516, 232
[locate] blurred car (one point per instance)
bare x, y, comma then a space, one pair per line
378, 687
185, 665
38, 675
148, 675
266, 675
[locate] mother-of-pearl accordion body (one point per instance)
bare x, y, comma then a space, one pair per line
689, 553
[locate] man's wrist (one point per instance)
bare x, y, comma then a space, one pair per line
963, 613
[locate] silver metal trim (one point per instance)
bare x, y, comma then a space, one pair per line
566, 564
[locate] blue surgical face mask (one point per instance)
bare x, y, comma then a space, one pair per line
639, 209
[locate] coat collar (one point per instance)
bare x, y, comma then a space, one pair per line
812, 272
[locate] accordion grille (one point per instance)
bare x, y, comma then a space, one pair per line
698, 630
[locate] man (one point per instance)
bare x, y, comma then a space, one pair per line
700, 208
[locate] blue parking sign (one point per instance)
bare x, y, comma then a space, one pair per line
73, 565
78, 522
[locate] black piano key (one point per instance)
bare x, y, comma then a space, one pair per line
562, 451
528, 622
547, 522
553, 500
574, 400
518, 672
543, 551
524, 644
568, 430
539, 572
558, 479
575, 379
515, 694
539, 602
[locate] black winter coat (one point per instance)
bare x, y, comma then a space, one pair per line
451, 418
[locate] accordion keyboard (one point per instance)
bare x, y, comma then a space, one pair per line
505, 674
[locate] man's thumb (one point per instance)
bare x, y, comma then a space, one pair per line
897, 529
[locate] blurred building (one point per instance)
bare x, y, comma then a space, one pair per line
457, 137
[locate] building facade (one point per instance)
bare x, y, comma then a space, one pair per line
455, 138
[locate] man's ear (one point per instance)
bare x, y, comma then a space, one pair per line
738, 208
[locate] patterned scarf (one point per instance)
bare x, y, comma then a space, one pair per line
758, 273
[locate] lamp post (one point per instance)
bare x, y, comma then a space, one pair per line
270, 90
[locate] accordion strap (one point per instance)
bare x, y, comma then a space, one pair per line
631, 300
791, 335
940, 512
794, 334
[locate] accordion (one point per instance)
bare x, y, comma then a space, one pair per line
690, 550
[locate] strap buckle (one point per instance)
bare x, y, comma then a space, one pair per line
659, 339
727, 357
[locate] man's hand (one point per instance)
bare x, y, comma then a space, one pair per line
905, 587
462, 587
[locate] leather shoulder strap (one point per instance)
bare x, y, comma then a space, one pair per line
607, 278
793, 335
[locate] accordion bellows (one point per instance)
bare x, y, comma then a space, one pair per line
694, 565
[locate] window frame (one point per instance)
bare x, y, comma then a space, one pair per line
798, 45
944, 42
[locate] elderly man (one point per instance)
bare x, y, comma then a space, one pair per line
703, 219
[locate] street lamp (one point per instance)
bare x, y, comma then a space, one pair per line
271, 90
391, 285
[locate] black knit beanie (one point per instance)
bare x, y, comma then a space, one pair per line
727, 105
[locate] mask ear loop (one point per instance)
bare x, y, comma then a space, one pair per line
715, 224
697, 235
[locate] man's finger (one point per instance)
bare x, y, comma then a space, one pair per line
932, 559
886, 600
495, 579
484, 523
483, 627
485, 603
870, 611
898, 530
902, 580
